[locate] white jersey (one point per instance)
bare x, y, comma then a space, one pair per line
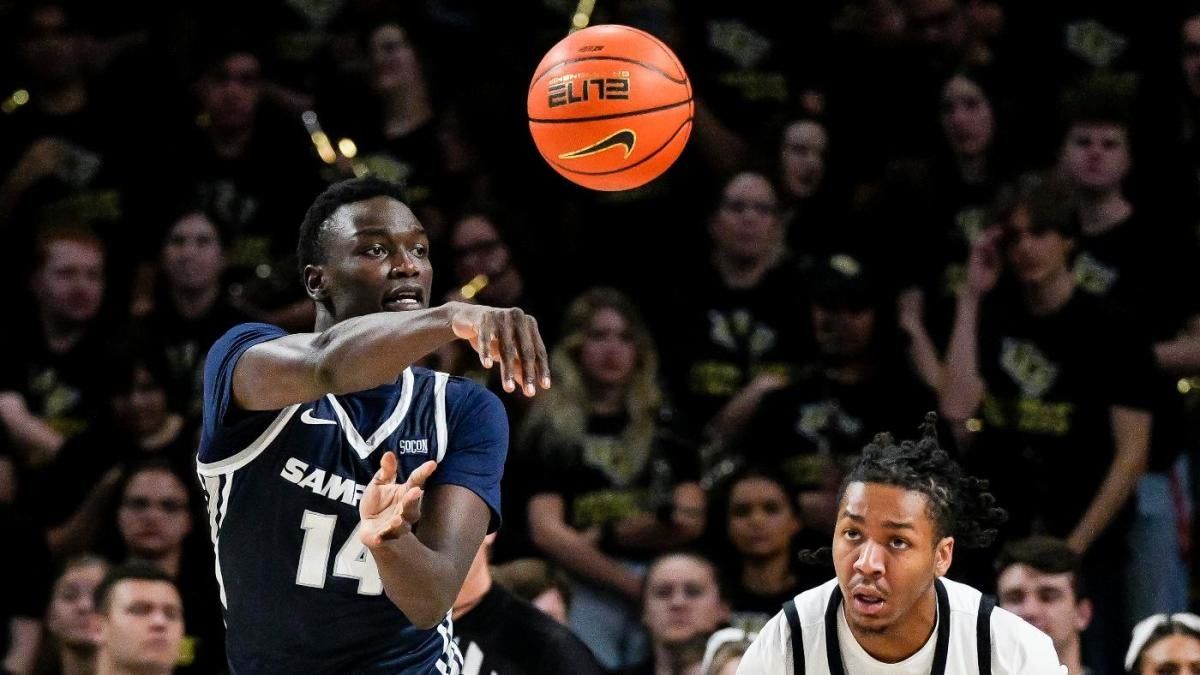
1017, 647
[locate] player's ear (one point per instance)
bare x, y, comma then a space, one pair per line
315, 282
943, 555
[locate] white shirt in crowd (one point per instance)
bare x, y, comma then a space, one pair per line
1017, 647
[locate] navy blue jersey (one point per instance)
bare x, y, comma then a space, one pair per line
301, 593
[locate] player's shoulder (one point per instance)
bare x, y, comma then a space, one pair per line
242, 334
962, 598
812, 603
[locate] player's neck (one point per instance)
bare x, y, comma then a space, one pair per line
906, 636
768, 575
77, 661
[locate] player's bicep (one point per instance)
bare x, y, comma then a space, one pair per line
275, 374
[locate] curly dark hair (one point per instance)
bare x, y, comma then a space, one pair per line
311, 248
959, 504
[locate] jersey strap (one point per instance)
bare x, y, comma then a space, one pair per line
983, 633
793, 619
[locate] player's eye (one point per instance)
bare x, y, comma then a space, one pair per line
900, 544
852, 535
376, 251
420, 251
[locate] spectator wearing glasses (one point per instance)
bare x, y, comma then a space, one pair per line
154, 518
738, 328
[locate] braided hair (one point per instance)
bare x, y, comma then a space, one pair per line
959, 504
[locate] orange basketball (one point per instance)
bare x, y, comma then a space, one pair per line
610, 107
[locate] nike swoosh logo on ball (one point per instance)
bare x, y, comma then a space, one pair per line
625, 137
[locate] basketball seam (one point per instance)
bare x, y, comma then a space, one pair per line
662, 46
596, 118
647, 66
626, 168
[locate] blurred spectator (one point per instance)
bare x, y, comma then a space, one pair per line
807, 209
139, 623
71, 617
539, 584
392, 123
682, 607
190, 306
737, 329
141, 423
1025, 360
1039, 579
724, 650
253, 170
1165, 643
1140, 263
757, 522
503, 634
27, 576
619, 489
859, 384
48, 386
64, 156
154, 519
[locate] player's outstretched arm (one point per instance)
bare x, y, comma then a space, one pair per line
372, 350
422, 572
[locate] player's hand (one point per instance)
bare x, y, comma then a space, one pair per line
387, 509
509, 337
984, 265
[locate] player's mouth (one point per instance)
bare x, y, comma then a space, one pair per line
868, 602
404, 298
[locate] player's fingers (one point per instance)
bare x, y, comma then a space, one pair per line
508, 351
387, 470
527, 335
485, 331
410, 506
417, 478
541, 358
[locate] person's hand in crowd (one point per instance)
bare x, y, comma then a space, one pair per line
910, 310
984, 265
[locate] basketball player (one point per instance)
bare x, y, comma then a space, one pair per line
321, 452
901, 511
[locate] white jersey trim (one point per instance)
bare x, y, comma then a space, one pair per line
231, 464
439, 397
364, 448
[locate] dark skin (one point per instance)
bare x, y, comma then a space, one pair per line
373, 321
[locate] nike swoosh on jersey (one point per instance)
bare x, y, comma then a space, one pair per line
625, 137
307, 418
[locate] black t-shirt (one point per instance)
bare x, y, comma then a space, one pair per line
602, 479
64, 390
1145, 270
724, 337
818, 423
505, 635
1046, 442
750, 611
185, 343
203, 650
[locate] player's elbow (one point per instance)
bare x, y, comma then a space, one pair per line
424, 609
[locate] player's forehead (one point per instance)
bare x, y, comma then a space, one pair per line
881, 503
376, 216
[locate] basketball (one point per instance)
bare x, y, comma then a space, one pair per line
610, 107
